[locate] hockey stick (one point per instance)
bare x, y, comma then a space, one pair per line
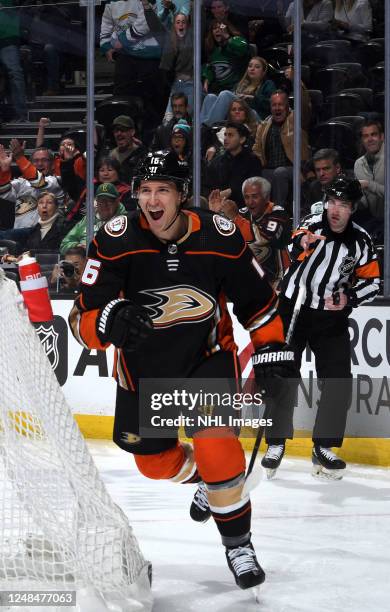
252, 479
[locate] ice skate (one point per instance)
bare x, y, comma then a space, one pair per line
243, 564
326, 464
200, 509
272, 459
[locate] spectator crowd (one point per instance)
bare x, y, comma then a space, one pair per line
247, 116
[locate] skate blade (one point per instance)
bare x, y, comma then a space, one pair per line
256, 593
322, 473
270, 472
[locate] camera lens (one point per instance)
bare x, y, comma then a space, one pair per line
68, 268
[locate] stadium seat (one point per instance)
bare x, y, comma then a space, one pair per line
355, 121
379, 102
339, 136
316, 98
328, 52
379, 41
370, 53
12, 276
330, 80
276, 56
343, 103
355, 71
12, 246
365, 93
377, 76
305, 74
338, 43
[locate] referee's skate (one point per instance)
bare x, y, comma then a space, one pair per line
326, 464
272, 459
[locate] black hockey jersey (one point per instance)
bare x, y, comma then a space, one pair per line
184, 286
267, 238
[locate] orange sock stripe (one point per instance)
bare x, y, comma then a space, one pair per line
217, 517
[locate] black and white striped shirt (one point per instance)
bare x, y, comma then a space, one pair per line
343, 261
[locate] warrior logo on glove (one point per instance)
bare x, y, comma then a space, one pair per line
272, 357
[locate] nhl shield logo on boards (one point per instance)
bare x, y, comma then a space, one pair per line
224, 226
49, 340
54, 339
116, 226
347, 265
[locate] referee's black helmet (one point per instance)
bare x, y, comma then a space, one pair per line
344, 188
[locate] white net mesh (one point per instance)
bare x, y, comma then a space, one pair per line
59, 527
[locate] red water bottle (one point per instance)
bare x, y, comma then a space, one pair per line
35, 290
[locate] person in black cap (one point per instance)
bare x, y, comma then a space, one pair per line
335, 264
237, 163
129, 150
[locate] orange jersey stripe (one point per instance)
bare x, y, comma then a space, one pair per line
57, 166
225, 336
128, 377
28, 170
369, 270
272, 332
218, 254
5, 177
245, 228
125, 254
260, 312
80, 167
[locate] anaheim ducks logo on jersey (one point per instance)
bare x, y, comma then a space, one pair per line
179, 304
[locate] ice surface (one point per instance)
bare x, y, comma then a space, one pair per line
325, 546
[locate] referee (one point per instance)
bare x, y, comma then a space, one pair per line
334, 260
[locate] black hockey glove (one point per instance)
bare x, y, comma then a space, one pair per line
124, 324
271, 364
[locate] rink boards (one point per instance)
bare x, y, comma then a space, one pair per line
85, 377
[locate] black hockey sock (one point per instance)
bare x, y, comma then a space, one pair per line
234, 526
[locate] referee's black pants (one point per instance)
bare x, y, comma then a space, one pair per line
326, 333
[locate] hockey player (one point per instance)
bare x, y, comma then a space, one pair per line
335, 261
154, 286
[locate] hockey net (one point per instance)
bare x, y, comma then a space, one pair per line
60, 529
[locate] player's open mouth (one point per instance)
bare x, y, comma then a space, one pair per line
156, 214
